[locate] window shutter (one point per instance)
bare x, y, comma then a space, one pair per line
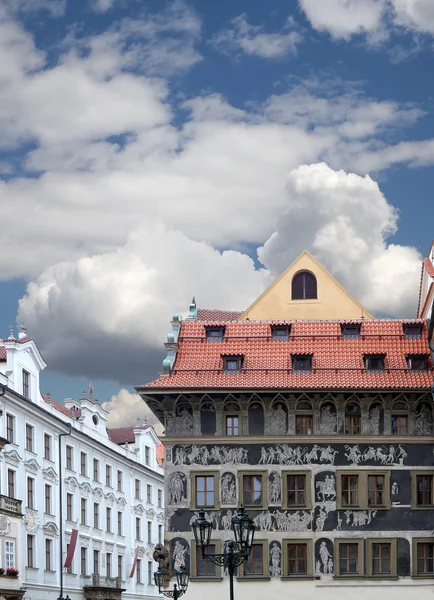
304, 286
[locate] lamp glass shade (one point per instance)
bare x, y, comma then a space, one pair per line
244, 531
182, 579
202, 530
158, 579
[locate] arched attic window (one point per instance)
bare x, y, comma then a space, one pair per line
304, 286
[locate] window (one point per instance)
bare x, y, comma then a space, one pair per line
120, 566
350, 490
350, 332
26, 384
147, 455
232, 364
10, 428
96, 515
119, 481
352, 418
139, 571
303, 424
376, 491
68, 569
30, 551
108, 564
350, 558
69, 513
280, 333
83, 463
150, 578
296, 489
83, 511
363, 490
138, 528
204, 486
30, 492
374, 363
95, 469
304, 286
96, 562
417, 363
232, 425
69, 457
137, 488
381, 557
83, 561
48, 553
11, 483
422, 489
205, 568
302, 364
399, 424
149, 494
47, 446
9, 554
108, 519
108, 475
412, 331
254, 565
214, 334
149, 531
252, 488
160, 498
423, 557
29, 438
47, 499
120, 523
298, 560
160, 534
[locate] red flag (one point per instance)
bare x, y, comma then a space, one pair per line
71, 549
133, 568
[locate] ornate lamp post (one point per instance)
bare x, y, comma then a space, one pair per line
238, 551
179, 588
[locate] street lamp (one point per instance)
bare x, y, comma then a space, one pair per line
61, 511
237, 552
179, 588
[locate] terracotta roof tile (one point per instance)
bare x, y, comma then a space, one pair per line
211, 314
336, 363
123, 435
428, 266
3, 353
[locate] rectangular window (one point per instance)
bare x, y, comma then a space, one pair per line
108, 475
96, 515
149, 493
108, 519
160, 498
48, 552
96, 562
304, 424
376, 490
120, 566
30, 492
69, 512
417, 364
232, 364
95, 469
48, 499
108, 565
350, 490
30, 550
119, 523
9, 554
350, 332
205, 568
83, 514
150, 582
160, 534
252, 490
139, 571
205, 495
413, 331
147, 455
83, 463
349, 558
11, 483
149, 532
424, 490
374, 363
399, 424
254, 565
26, 384
297, 559
119, 481
138, 528
69, 457
10, 428
47, 446
296, 490
425, 558
83, 561
232, 425
302, 364
352, 424
137, 489
280, 333
214, 334
68, 569
381, 559
29, 438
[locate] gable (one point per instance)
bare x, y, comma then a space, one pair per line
332, 300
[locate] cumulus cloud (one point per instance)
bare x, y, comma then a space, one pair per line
55, 8
126, 410
242, 37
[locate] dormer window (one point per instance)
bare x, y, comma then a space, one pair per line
412, 331
350, 332
374, 363
280, 332
214, 334
417, 363
232, 364
302, 363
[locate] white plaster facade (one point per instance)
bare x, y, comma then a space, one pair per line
120, 486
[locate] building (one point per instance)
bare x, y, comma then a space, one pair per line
318, 418
111, 490
426, 292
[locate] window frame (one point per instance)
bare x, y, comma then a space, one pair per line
354, 327
399, 414
96, 470
264, 490
48, 554
233, 358
160, 498
30, 487
367, 358
301, 357
83, 511
193, 486
211, 329
308, 491
363, 491
412, 336
285, 557
227, 428
296, 297
119, 481
137, 489
69, 457
278, 337
9, 553
108, 519
30, 438
415, 357
415, 473
120, 523
360, 558
69, 507
48, 446
370, 557
415, 542
30, 551
138, 529
108, 476
83, 464
48, 499
26, 380
11, 482
265, 560
83, 561
10, 427
306, 415
149, 531
108, 564
149, 493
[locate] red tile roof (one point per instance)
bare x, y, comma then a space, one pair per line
3, 353
336, 363
428, 266
122, 435
212, 314
160, 454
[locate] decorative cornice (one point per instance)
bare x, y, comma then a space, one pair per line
51, 529
12, 457
32, 465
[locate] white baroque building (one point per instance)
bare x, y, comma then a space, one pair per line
112, 492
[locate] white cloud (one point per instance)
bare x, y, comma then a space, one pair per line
252, 40
55, 8
415, 15
126, 410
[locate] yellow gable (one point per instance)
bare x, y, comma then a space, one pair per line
332, 300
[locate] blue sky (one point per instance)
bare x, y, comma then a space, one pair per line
154, 151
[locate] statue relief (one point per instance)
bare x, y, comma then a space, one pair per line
278, 420
327, 420
424, 420
184, 421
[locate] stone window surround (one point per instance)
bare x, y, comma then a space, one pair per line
363, 489
216, 475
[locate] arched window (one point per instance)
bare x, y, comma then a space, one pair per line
256, 419
304, 286
207, 419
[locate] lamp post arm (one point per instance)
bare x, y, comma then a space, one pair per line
229, 560
175, 593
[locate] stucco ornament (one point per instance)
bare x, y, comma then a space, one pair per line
372, 424
327, 421
179, 552
176, 486
228, 489
5, 525
424, 421
275, 488
326, 560
327, 488
31, 521
275, 560
278, 420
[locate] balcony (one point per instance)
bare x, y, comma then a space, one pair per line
109, 588
10, 506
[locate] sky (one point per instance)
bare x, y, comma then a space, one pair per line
154, 151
